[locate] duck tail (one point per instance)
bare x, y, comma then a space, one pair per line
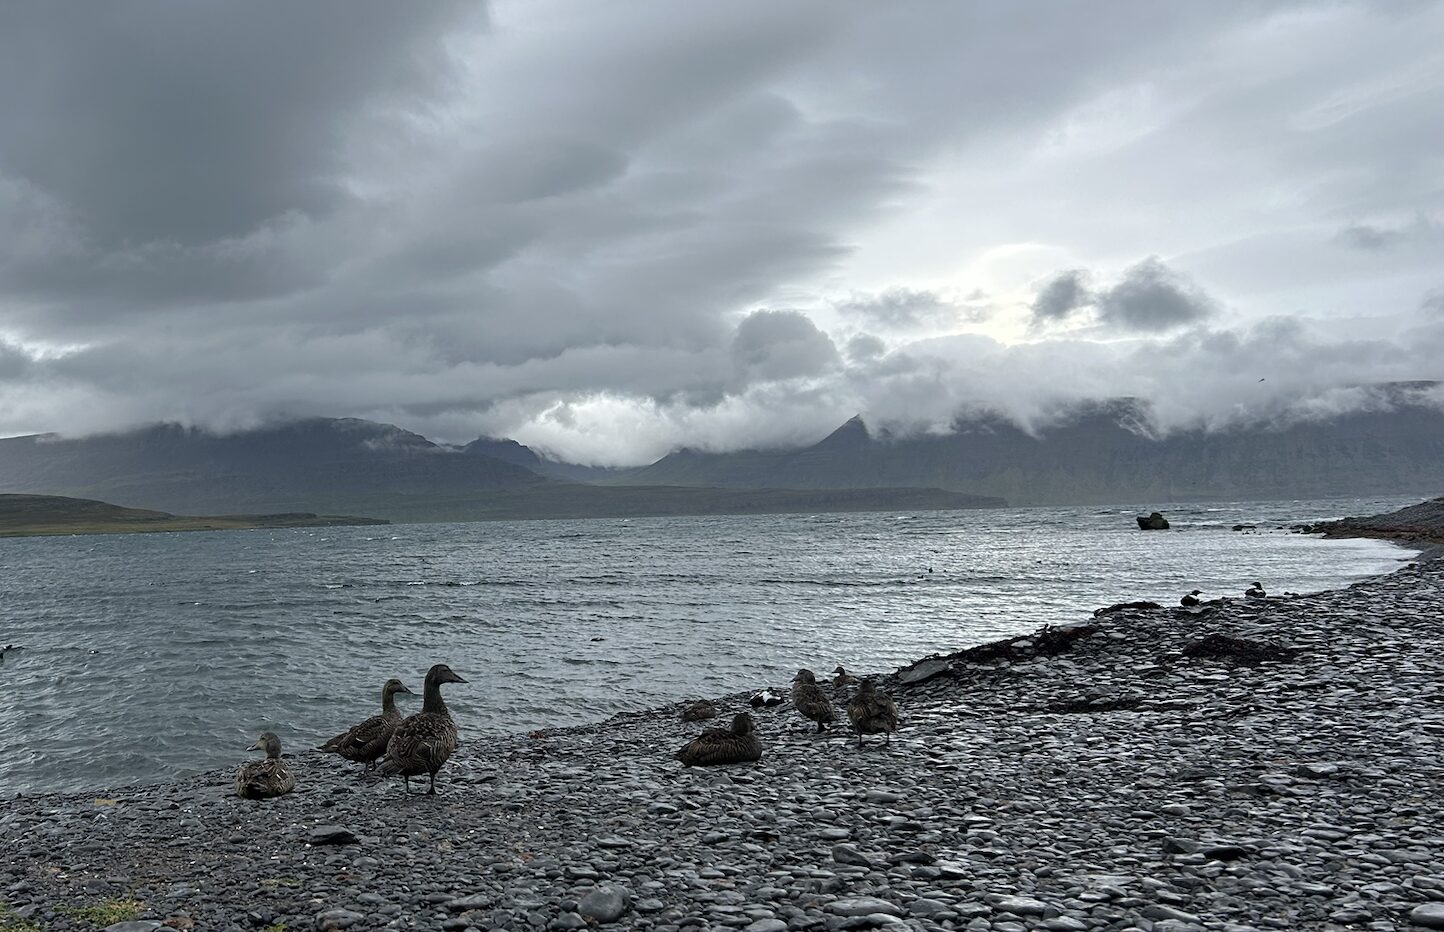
388, 767
334, 743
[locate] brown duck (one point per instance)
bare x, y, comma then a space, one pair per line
697, 711
842, 678
872, 712
809, 699
366, 743
735, 745
423, 742
268, 778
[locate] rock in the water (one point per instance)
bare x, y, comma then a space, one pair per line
1154, 522
606, 903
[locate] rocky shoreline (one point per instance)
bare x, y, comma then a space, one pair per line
1261, 764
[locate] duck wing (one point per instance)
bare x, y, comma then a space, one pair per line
718, 746
812, 702
872, 714
420, 744
264, 779
367, 741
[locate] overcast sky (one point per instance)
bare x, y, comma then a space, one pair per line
612, 229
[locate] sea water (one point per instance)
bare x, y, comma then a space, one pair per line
150, 656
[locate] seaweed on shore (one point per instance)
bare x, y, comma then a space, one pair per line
1239, 650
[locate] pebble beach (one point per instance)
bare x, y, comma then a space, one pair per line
1250, 764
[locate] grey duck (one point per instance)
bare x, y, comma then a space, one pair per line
366, 743
872, 712
735, 745
843, 678
809, 699
423, 742
1256, 591
1191, 600
265, 779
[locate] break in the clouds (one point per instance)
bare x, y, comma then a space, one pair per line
612, 230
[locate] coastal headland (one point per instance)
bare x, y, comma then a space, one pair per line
1251, 764
49, 515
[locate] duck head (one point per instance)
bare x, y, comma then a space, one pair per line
441, 673
804, 676
865, 687
840, 671
741, 724
269, 743
394, 686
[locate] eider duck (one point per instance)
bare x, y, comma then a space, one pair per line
735, 745
366, 743
842, 678
265, 779
872, 712
1191, 600
423, 742
766, 698
809, 699
698, 711
1256, 591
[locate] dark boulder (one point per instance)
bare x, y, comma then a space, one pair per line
1154, 522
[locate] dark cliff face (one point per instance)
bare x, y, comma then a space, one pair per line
1103, 454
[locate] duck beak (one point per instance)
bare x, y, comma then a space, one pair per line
457, 679
403, 689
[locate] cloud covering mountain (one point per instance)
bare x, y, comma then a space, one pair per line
613, 230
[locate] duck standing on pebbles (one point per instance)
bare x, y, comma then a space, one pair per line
366, 742
735, 745
809, 699
1256, 591
872, 712
265, 779
698, 711
1191, 600
426, 740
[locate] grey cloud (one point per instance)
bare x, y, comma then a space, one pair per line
772, 345
1063, 294
1152, 297
1378, 238
911, 307
1433, 302
865, 346
550, 225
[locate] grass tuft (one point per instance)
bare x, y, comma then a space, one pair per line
106, 912
9, 922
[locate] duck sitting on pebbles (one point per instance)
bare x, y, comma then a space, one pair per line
735, 745
426, 740
1256, 591
366, 743
842, 678
1191, 600
698, 711
809, 699
265, 779
767, 698
872, 712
